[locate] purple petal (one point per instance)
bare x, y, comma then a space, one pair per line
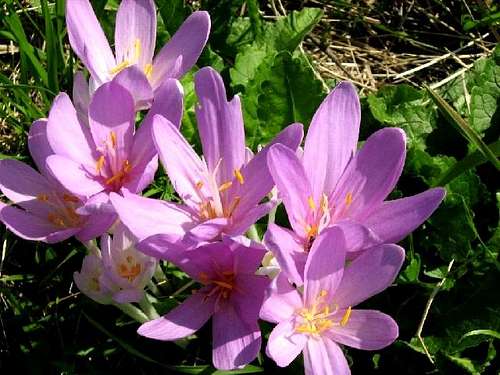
128, 295
95, 226
67, 136
141, 175
208, 230
240, 222
73, 176
324, 357
332, 139
135, 32
81, 97
365, 329
371, 175
112, 118
369, 274
393, 220
236, 342
182, 51
292, 183
289, 253
184, 167
257, 180
162, 246
137, 84
39, 146
324, 266
284, 345
358, 238
220, 124
31, 227
249, 295
145, 217
182, 321
281, 300
88, 40
246, 258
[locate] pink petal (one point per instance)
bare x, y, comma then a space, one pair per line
292, 183
95, 225
332, 139
88, 40
393, 220
67, 136
324, 266
220, 124
39, 146
112, 119
81, 97
184, 167
135, 81
182, 51
284, 345
289, 252
73, 176
324, 357
135, 31
236, 342
145, 217
281, 300
369, 274
182, 321
365, 329
240, 222
371, 175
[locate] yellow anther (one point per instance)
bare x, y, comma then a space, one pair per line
203, 277
223, 284
70, 198
199, 185
311, 203
323, 293
348, 199
100, 164
56, 219
232, 207
346, 316
126, 166
112, 136
239, 176
225, 186
42, 197
118, 68
312, 231
137, 49
129, 273
148, 70
324, 203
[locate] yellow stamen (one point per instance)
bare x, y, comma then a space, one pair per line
222, 284
311, 203
348, 199
112, 136
148, 70
324, 203
100, 164
323, 293
137, 49
56, 219
118, 68
126, 166
346, 316
42, 197
199, 185
239, 176
312, 231
233, 206
70, 198
129, 273
225, 186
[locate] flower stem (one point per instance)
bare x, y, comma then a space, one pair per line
133, 312
148, 308
272, 215
253, 234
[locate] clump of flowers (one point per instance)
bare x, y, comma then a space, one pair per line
94, 164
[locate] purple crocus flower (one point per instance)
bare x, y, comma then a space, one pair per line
133, 65
333, 184
222, 193
322, 317
231, 294
45, 211
107, 155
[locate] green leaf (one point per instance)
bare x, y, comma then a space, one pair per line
284, 90
405, 107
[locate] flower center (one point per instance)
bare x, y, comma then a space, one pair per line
318, 318
129, 269
223, 285
132, 56
111, 166
63, 209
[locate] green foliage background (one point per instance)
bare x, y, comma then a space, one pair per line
46, 327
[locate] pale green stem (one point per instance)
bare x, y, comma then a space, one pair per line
272, 215
133, 312
148, 308
159, 275
92, 247
253, 234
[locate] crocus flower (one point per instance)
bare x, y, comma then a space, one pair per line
108, 155
118, 273
231, 294
333, 184
133, 65
222, 193
44, 210
322, 317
